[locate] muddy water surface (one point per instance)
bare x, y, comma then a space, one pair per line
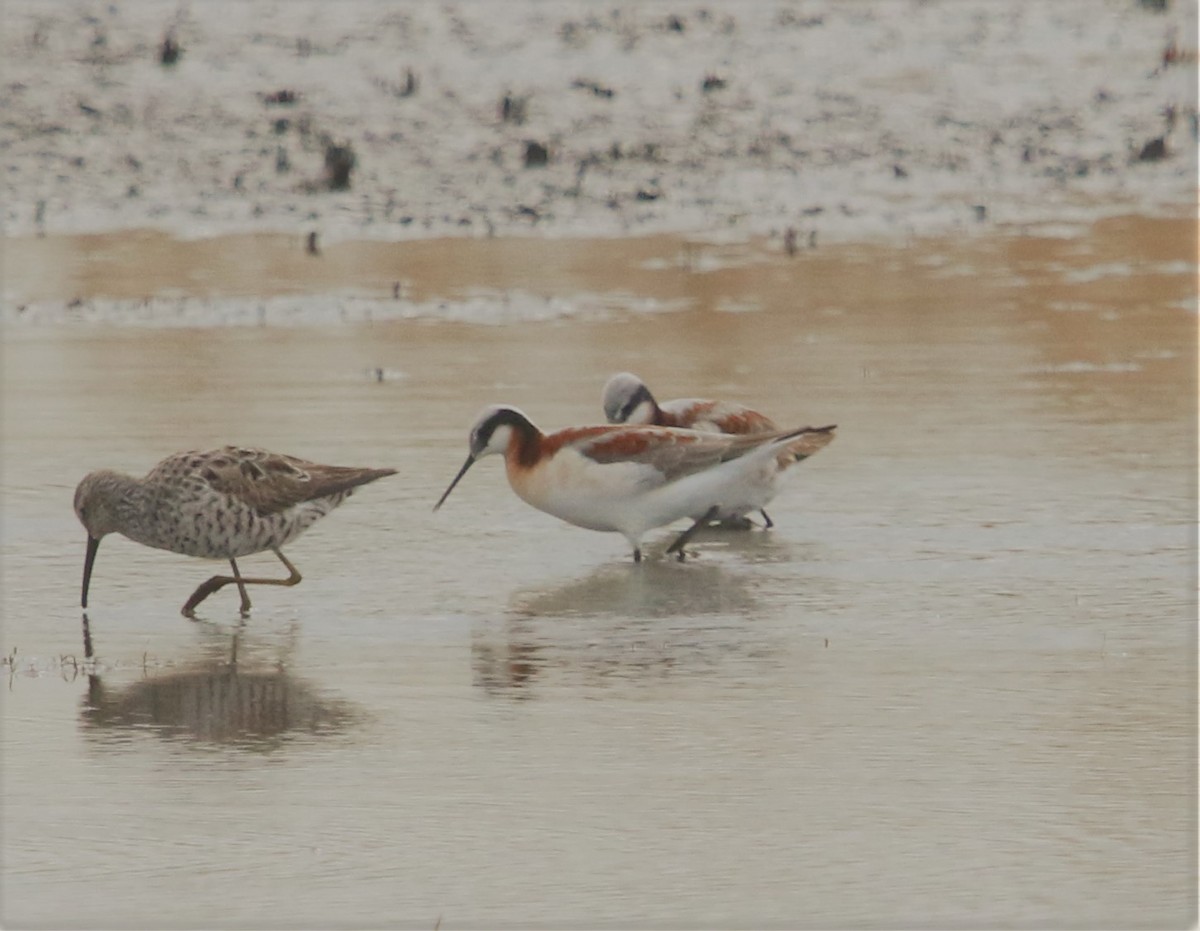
955, 684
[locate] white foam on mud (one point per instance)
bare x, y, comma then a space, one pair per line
1084, 367
478, 307
842, 121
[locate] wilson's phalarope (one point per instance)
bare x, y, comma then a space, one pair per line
626, 399
219, 504
631, 479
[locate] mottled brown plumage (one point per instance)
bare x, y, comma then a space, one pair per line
216, 504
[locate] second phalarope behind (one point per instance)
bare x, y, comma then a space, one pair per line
631, 479
626, 399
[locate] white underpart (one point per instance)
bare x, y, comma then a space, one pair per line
770, 484
632, 497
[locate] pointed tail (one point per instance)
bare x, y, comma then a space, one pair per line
798, 445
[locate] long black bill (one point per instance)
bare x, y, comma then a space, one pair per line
461, 472
92, 546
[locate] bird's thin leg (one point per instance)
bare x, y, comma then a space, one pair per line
218, 582
292, 579
681, 540
293, 574
203, 590
769, 523
241, 584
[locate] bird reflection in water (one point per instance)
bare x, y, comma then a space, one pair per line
504, 668
214, 700
663, 619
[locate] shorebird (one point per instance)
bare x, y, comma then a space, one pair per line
631, 479
217, 504
626, 399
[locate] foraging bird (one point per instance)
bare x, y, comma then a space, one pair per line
631, 479
219, 504
626, 399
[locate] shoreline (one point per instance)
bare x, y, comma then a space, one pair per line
149, 278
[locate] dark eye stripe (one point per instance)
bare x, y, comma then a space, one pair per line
642, 394
505, 417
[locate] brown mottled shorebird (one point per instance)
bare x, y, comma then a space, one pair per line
626, 399
217, 504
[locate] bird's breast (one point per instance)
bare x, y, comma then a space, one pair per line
579, 490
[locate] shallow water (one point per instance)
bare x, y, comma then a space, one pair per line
955, 685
